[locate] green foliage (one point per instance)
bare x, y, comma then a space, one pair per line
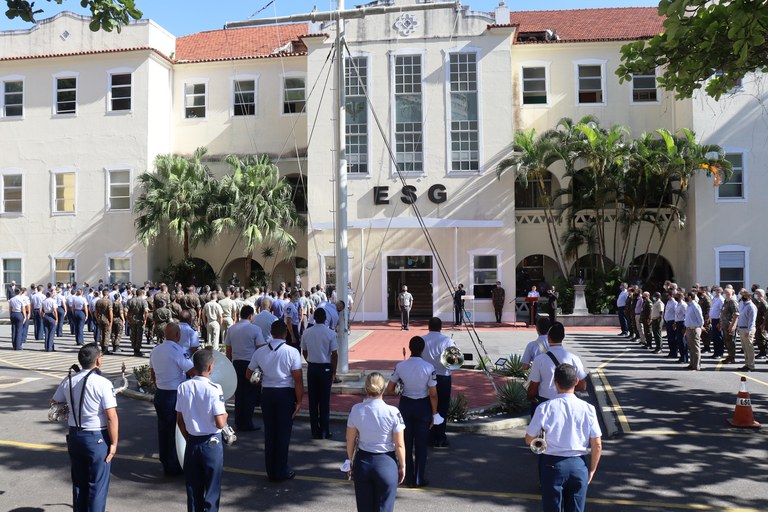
144, 378
191, 271
567, 294
513, 367
701, 36
457, 409
106, 15
483, 363
513, 397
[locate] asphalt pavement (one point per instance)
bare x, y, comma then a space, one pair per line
672, 448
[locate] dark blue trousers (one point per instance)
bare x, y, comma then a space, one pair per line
17, 330
443, 403
563, 483
277, 406
25, 331
717, 338
90, 474
623, 320
60, 325
682, 346
38, 320
49, 329
79, 318
247, 397
671, 337
319, 382
165, 407
71, 320
457, 313
416, 414
203, 466
375, 481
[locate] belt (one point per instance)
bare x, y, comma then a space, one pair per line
558, 458
365, 452
83, 429
321, 364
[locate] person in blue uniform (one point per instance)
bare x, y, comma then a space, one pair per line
93, 430
376, 447
435, 344
201, 415
18, 319
282, 389
293, 313
241, 341
418, 406
571, 431
50, 316
61, 309
80, 315
168, 368
321, 350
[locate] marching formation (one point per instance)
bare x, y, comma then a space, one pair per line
699, 321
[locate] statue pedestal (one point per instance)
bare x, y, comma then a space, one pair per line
580, 302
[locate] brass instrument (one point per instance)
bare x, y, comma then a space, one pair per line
452, 358
539, 445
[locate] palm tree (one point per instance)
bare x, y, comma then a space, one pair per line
175, 197
531, 160
255, 202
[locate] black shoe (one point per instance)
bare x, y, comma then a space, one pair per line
681, 360
106, 352
289, 476
337, 380
442, 444
317, 436
423, 483
657, 351
138, 353
328, 435
746, 369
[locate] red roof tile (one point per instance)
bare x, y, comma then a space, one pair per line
239, 43
610, 24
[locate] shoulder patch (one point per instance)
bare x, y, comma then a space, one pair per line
221, 398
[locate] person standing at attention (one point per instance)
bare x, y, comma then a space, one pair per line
435, 344
458, 304
201, 415
572, 430
93, 430
498, 297
404, 304
241, 341
321, 350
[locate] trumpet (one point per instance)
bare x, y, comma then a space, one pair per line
539, 445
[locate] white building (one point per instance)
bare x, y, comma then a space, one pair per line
439, 92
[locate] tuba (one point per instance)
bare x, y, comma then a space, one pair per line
539, 445
452, 358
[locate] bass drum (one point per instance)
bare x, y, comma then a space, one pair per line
224, 375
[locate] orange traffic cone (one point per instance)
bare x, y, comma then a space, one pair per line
742, 415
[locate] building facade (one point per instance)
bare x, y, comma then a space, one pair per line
433, 100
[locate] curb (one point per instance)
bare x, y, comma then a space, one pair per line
479, 425
610, 421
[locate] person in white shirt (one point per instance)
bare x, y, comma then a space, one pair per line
657, 316
542, 386
321, 350
694, 322
621, 303
436, 343
680, 310
714, 318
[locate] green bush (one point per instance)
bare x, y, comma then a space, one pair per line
457, 409
144, 378
567, 294
513, 367
483, 363
193, 271
513, 397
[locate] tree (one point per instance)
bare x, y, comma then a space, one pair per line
704, 41
106, 15
255, 202
176, 198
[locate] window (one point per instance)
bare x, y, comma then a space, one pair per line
11, 201
244, 102
66, 95
485, 275
644, 88
13, 98
734, 187
64, 186
11, 271
64, 270
590, 83
408, 114
731, 268
119, 270
119, 189
294, 99
530, 196
356, 74
330, 270
535, 86
120, 92
465, 135
195, 100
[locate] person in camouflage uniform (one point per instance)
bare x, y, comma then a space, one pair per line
118, 321
728, 318
162, 316
149, 329
645, 320
760, 322
103, 314
705, 303
138, 312
175, 307
191, 303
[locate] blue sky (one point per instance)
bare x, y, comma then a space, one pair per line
181, 17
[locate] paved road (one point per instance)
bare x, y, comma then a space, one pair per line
674, 450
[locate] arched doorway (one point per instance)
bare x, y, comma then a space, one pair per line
238, 266
587, 267
537, 269
652, 281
